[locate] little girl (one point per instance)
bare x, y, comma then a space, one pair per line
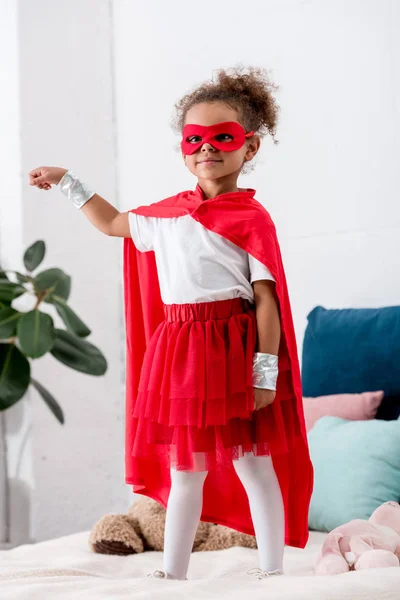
214, 416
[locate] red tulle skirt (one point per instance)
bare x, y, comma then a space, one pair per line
195, 402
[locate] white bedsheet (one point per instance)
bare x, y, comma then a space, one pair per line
65, 568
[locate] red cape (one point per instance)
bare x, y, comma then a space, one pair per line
241, 219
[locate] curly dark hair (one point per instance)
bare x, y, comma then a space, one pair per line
247, 90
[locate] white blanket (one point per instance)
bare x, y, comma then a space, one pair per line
66, 568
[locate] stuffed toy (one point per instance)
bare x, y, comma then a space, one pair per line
362, 544
142, 529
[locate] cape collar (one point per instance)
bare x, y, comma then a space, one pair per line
189, 201
240, 194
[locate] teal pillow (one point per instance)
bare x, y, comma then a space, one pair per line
356, 469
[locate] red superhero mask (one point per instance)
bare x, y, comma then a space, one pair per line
226, 136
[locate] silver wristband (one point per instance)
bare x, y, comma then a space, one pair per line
75, 190
265, 371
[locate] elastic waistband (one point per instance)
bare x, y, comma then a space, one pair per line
206, 311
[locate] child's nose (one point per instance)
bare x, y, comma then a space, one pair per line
207, 147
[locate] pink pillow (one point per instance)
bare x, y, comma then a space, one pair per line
354, 407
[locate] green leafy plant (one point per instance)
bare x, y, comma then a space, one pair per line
32, 334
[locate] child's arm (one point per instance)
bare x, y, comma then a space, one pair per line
267, 316
106, 217
268, 332
100, 213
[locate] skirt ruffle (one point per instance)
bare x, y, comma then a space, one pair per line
195, 401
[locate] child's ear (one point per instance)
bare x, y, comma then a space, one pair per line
253, 146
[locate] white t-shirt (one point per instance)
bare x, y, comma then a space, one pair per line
193, 263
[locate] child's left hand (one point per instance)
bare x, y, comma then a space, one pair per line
263, 398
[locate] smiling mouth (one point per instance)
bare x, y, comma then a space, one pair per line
209, 160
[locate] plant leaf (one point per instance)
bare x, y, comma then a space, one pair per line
9, 290
21, 277
78, 354
15, 374
70, 318
36, 333
34, 255
8, 322
53, 278
50, 401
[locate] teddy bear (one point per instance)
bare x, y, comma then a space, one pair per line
142, 529
363, 544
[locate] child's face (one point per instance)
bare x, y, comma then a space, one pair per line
209, 162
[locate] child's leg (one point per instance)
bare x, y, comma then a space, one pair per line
259, 479
182, 519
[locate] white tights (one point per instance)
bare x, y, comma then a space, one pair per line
185, 501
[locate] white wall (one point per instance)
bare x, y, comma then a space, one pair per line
67, 119
332, 183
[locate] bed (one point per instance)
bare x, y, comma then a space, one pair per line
66, 568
